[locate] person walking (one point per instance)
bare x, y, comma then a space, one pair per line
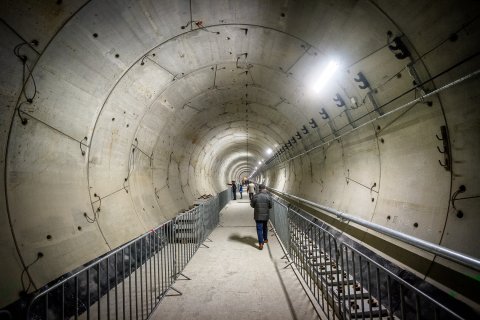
240, 189
261, 204
251, 190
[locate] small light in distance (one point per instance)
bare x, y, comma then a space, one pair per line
269, 151
259, 162
325, 76
255, 168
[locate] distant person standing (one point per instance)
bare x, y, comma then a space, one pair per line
261, 204
240, 189
251, 190
234, 189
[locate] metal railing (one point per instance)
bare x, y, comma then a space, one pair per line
130, 281
446, 253
345, 281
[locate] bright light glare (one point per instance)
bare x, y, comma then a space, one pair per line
255, 168
269, 151
259, 162
325, 76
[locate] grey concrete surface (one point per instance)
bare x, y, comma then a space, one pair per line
234, 280
140, 107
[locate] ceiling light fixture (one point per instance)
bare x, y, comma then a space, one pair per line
325, 76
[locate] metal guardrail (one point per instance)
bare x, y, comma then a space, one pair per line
419, 243
347, 283
5, 314
130, 281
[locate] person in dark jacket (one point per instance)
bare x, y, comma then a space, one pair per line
261, 203
234, 189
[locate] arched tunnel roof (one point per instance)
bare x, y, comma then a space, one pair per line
140, 107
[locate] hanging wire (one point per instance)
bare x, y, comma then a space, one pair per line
90, 220
25, 271
199, 25
27, 74
96, 212
131, 164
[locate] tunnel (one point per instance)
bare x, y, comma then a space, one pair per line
118, 115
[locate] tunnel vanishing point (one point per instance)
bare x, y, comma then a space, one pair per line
117, 115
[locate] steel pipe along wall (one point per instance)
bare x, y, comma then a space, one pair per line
117, 115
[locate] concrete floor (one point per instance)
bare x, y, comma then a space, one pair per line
234, 280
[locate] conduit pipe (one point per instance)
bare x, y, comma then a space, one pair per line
419, 243
419, 99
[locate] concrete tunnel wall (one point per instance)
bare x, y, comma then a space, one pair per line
170, 100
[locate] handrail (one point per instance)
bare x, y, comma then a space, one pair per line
312, 252
115, 251
210, 207
6, 312
449, 254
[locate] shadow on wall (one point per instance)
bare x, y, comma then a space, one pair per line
248, 240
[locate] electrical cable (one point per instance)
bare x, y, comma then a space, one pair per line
25, 68
199, 25
413, 61
131, 164
406, 92
90, 220
24, 58
25, 270
461, 189
96, 212
473, 74
30, 73
19, 111
81, 143
450, 38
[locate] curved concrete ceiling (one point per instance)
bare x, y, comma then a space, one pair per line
140, 107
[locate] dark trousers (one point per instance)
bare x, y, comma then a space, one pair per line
234, 194
262, 230
250, 195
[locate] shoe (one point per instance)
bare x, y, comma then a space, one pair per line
260, 246
265, 241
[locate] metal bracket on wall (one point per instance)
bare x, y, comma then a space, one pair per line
339, 100
416, 78
304, 129
341, 103
374, 103
364, 84
313, 123
397, 47
324, 114
332, 126
350, 118
446, 149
